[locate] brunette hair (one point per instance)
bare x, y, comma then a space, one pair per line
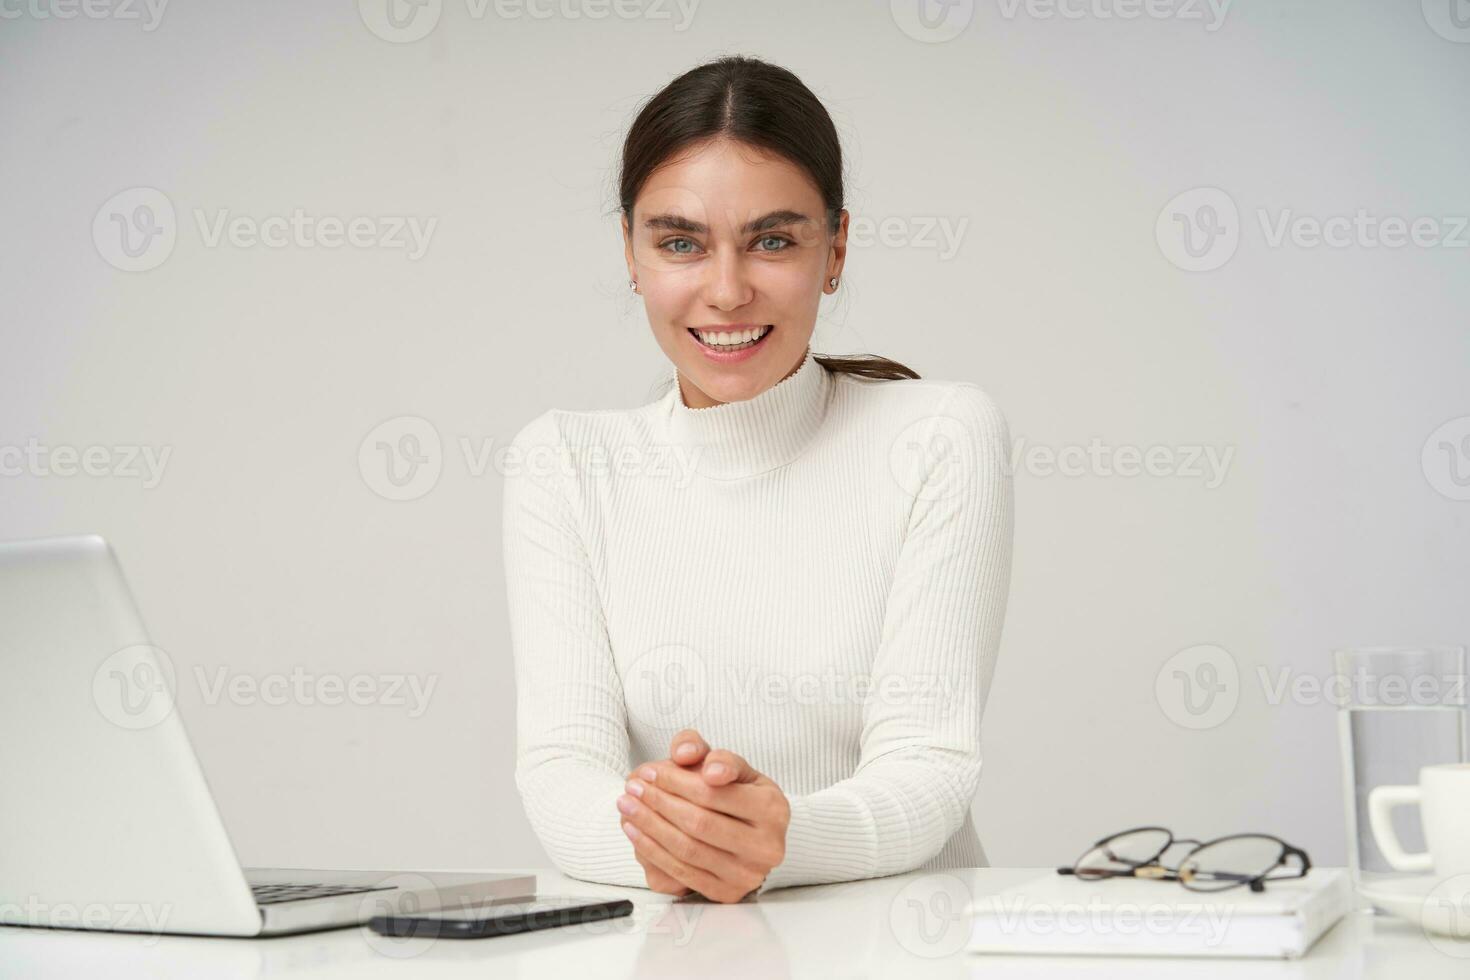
756, 103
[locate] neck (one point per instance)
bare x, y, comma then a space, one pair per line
729, 440
694, 397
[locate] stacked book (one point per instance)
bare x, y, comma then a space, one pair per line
1062, 915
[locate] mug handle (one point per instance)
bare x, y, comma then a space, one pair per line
1382, 801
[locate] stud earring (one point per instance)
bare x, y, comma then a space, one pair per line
633, 285
832, 282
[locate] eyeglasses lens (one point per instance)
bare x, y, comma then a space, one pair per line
1230, 862
1121, 853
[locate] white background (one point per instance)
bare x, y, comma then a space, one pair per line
1057, 142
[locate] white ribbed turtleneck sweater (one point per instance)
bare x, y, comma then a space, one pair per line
814, 578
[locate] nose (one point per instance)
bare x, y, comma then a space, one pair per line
727, 282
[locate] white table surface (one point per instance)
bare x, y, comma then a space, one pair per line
901, 926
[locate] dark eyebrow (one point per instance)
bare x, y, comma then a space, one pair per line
776, 219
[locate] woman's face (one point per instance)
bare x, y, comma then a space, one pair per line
728, 238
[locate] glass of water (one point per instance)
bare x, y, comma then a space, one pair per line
1400, 708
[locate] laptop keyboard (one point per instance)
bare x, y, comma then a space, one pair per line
275, 894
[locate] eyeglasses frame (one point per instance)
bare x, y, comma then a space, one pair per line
1154, 868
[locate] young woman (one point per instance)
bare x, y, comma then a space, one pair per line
754, 621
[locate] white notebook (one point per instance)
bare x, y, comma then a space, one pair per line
1062, 915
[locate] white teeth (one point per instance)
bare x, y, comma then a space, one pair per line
724, 338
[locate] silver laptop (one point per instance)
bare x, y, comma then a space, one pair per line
106, 821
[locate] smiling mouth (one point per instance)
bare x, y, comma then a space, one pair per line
765, 332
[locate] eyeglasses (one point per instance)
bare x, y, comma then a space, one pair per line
1208, 866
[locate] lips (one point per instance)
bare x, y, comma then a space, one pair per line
726, 328
759, 334
731, 353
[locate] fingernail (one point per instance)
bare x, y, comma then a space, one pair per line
648, 774
631, 831
686, 750
627, 804
635, 787
716, 769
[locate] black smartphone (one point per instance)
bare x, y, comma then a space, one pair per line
502, 919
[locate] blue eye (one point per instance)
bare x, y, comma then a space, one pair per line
669, 246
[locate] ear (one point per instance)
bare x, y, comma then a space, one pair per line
628, 248
839, 247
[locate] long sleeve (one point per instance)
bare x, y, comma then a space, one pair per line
920, 758
571, 730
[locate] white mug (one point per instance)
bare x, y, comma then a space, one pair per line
1443, 797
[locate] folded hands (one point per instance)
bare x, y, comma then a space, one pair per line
704, 821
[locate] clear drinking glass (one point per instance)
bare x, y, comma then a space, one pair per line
1400, 708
